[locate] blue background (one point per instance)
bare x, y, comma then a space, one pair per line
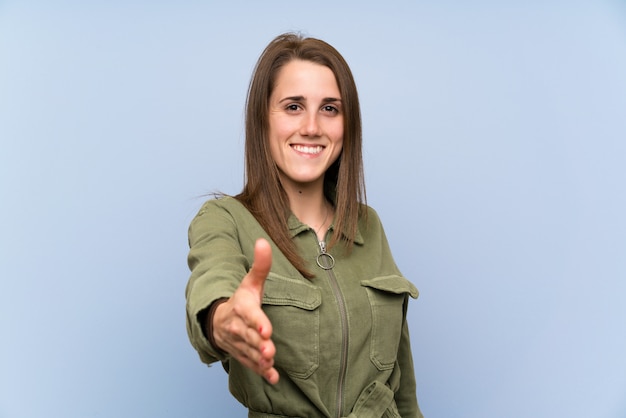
495, 152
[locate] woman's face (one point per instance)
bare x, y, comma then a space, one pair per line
305, 122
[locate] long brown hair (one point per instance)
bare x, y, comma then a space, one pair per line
263, 194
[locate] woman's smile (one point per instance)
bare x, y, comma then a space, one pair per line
312, 150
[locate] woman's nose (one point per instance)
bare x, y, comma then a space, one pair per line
310, 125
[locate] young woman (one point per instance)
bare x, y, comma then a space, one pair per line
293, 286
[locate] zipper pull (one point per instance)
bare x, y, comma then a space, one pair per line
322, 245
329, 260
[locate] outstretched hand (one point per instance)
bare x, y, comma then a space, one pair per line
240, 327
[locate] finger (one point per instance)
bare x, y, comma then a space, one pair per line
253, 344
253, 318
272, 376
261, 265
263, 368
252, 330
253, 359
270, 373
253, 282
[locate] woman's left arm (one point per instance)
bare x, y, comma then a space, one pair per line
406, 395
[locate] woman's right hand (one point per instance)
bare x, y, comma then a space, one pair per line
240, 327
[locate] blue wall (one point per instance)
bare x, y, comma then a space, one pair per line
495, 148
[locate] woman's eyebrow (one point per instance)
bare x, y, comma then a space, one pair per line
302, 98
292, 99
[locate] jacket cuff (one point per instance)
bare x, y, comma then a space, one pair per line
206, 320
197, 313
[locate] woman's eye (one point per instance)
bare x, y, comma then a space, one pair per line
293, 107
330, 109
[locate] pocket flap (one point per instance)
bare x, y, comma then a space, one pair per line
280, 290
392, 284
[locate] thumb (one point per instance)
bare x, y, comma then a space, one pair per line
261, 266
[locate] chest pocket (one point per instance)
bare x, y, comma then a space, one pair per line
292, 307
387, 296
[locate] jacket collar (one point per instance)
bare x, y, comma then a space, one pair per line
296, 227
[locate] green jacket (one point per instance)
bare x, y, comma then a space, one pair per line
342, 341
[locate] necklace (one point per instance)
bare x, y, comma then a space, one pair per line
319, 228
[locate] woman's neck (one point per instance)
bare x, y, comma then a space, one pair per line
309, 205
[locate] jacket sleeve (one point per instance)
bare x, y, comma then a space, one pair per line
217, 267
406, 395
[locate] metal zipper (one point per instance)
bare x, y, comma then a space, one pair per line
326, 261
